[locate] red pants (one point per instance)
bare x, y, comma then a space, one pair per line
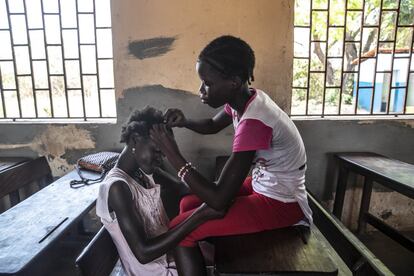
250, 213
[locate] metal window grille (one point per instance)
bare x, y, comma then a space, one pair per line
56, 60
353, 57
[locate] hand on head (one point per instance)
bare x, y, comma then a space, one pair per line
174, 118
162, 136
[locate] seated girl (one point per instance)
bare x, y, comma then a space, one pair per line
130, 206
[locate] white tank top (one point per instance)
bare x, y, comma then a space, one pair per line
149, 205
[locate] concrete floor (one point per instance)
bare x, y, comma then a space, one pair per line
397, 258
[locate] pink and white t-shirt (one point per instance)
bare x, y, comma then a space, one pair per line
279, 163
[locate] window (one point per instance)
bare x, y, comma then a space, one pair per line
353, 57
56, 60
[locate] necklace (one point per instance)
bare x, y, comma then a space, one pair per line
141, 178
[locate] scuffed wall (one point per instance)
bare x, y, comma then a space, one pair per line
178, 30
53, 142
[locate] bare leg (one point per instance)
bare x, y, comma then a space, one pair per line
189, 261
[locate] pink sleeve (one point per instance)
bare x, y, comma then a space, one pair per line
227, 109
252, 135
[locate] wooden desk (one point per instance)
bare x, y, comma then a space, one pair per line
10, 162
29, 228
7, 166
391, 173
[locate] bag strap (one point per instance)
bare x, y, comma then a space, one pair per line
75, 184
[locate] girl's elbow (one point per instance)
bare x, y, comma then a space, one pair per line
143, 255
143, 258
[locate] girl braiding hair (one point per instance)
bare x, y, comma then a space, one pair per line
265, 138
231, 56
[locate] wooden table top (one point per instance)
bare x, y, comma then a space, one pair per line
9, 162
392, 172
30, 227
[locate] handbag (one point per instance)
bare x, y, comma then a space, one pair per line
101, 162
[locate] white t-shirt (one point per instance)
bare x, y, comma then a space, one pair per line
280, 160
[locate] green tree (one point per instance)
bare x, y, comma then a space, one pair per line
371, 15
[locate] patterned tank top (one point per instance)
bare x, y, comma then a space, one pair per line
149, 206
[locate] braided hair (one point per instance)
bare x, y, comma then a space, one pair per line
140, 122
231, 56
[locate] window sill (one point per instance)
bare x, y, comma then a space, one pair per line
352, 118
59, 121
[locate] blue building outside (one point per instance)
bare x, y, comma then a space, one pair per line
382, 85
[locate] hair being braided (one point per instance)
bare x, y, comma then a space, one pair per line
140, 122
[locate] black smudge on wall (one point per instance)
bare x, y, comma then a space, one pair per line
149, 48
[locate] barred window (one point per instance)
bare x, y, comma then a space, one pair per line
353, 57
56, 60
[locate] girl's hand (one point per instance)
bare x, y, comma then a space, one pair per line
207, 213
174, 118
164, 139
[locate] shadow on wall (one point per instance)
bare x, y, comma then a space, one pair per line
149, 48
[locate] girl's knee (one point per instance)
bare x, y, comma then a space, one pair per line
177, 220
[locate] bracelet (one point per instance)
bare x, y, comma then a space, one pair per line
187, 170
180, 172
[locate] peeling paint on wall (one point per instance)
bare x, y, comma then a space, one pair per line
54, 142
408, 123
149, 48
366, 122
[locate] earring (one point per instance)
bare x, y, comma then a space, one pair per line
133, 150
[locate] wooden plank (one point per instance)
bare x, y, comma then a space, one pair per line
330, 251
352, 251
8, 162
275, 252
340, 192
364, 209
14, 198
394, 174
28, 229
390, 231
20, 175
99, 256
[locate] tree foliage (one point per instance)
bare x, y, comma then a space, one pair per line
333, 26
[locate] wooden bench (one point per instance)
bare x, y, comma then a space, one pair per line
99, 257
393, 174
277, 252
19, 173
329, 247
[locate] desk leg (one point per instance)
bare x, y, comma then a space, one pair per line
14, 197
340, 191
365, 201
